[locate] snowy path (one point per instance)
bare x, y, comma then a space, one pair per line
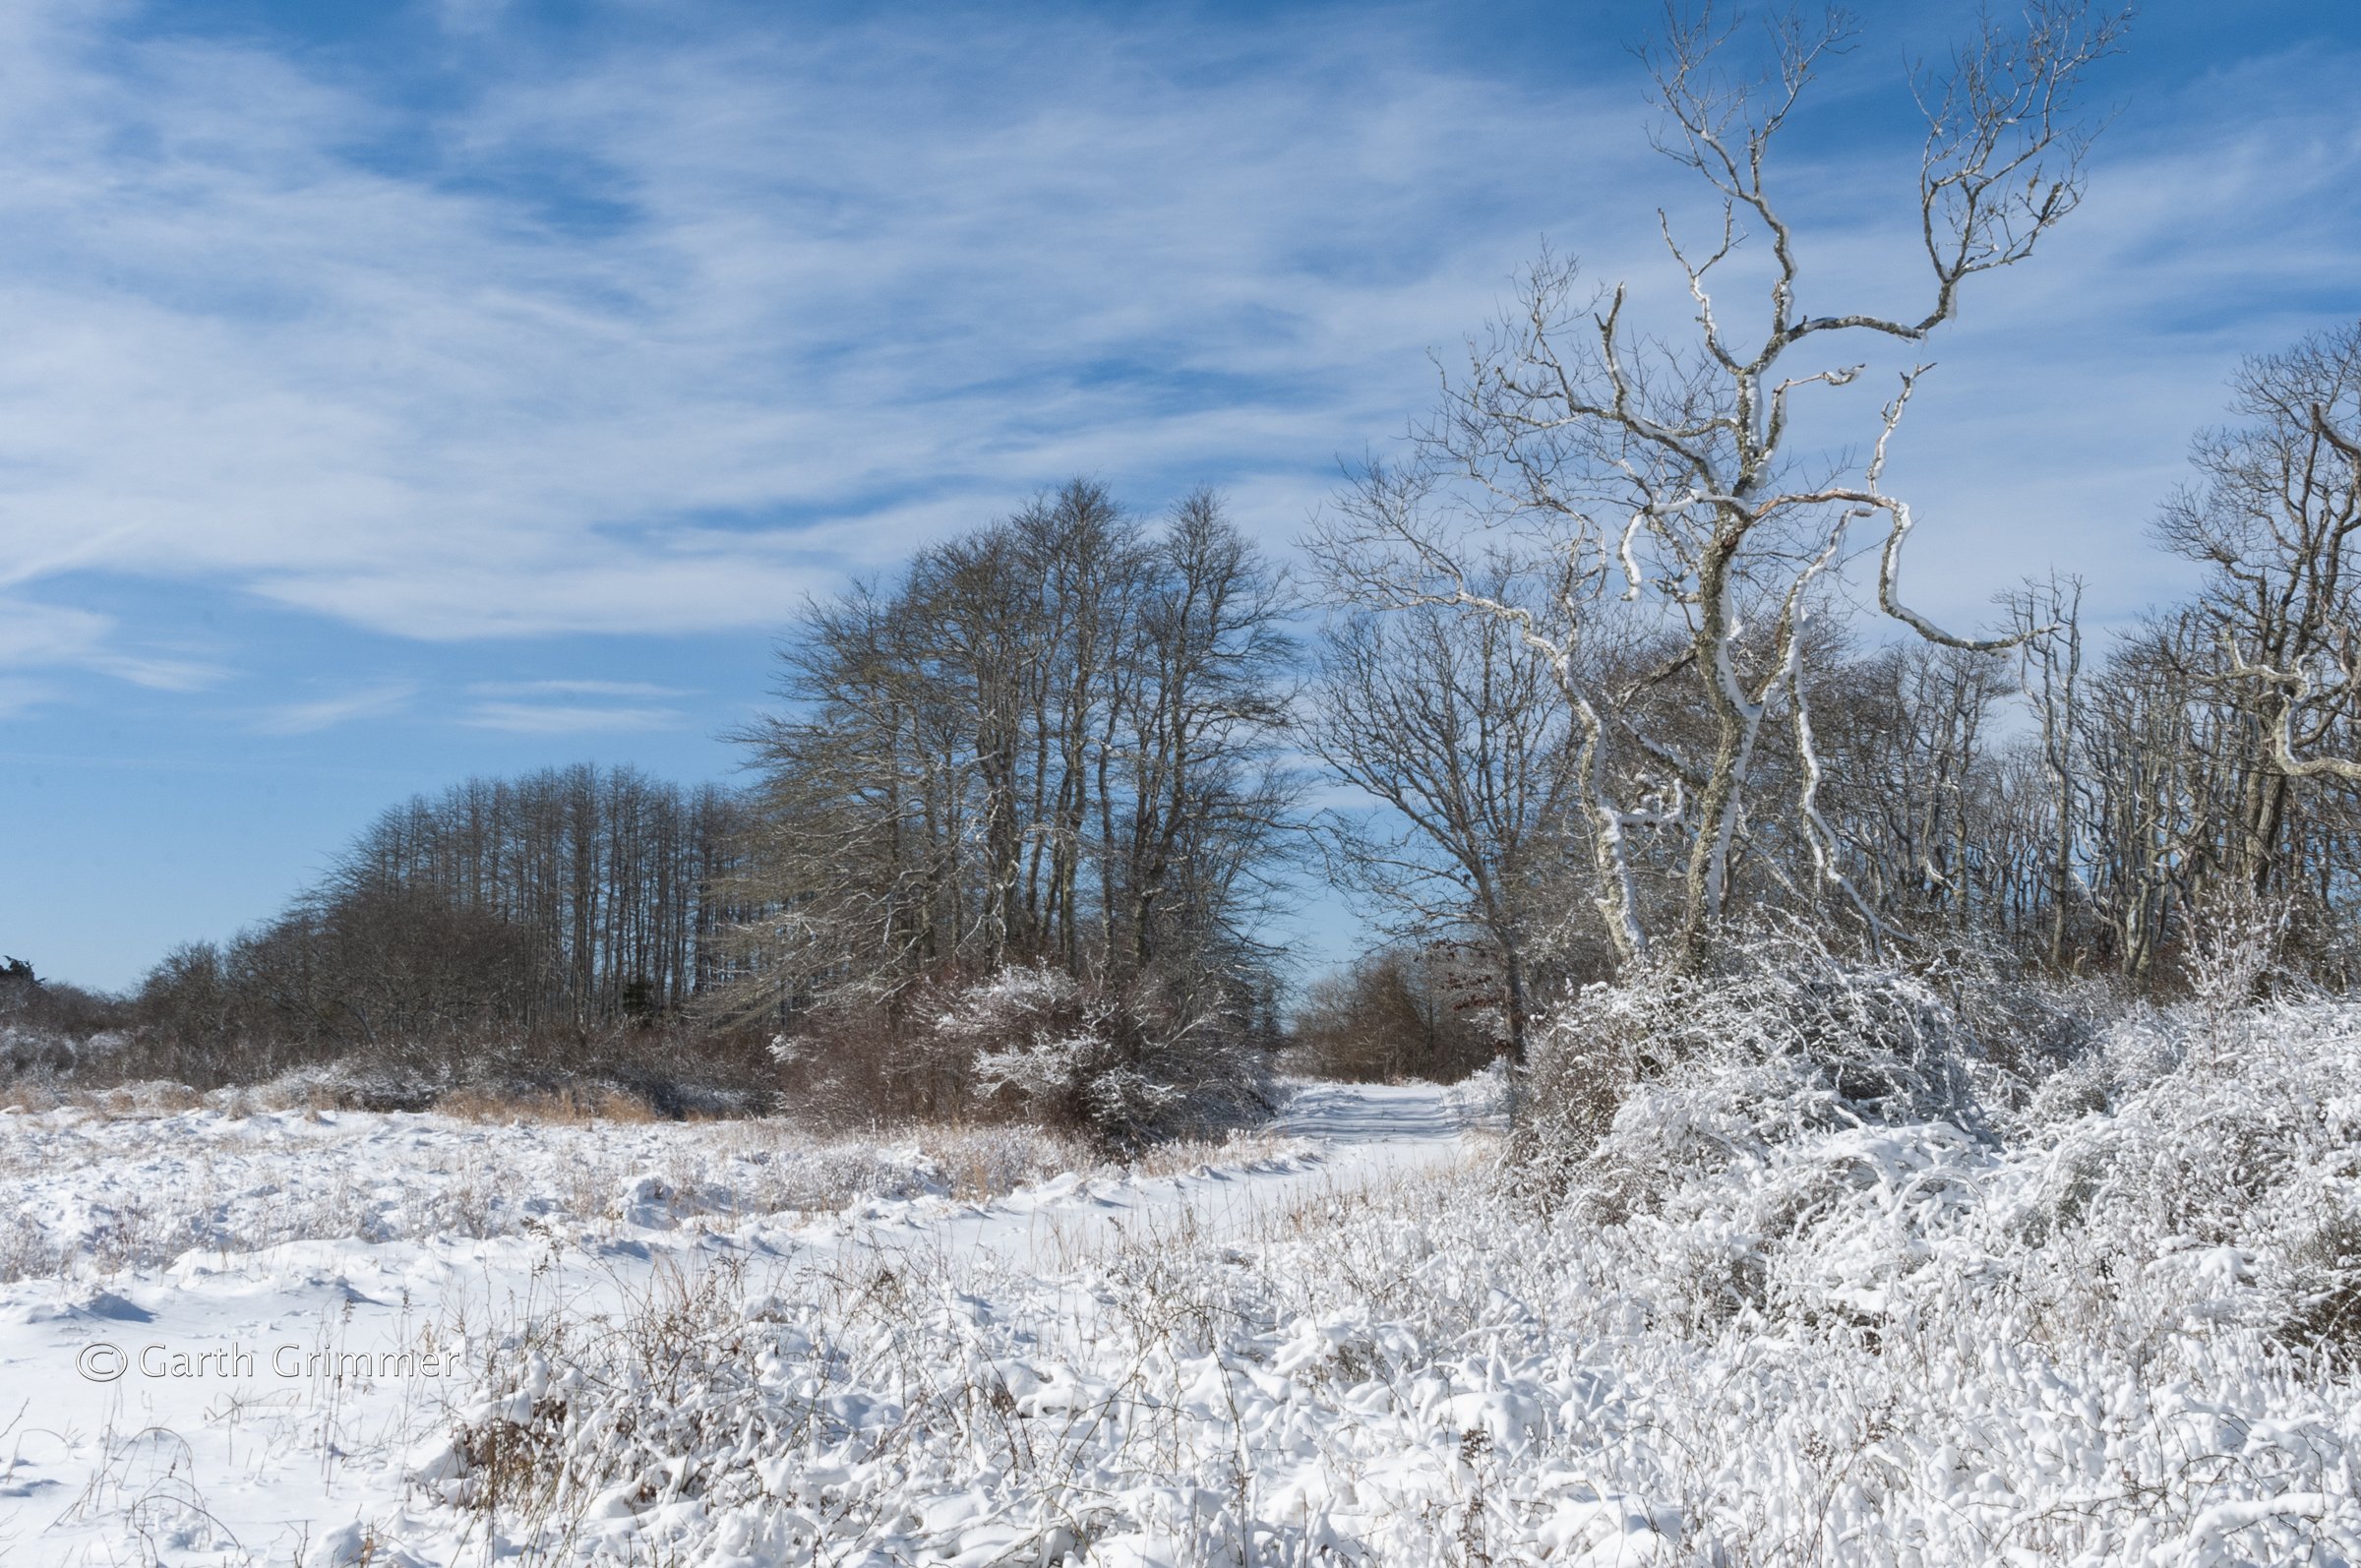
1363, 1133
1359, 1116
232, 1427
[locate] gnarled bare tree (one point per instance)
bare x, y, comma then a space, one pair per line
1660, 469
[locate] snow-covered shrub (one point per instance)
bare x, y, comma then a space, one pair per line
1128, 1067
51, 1031
34, 1054
1800, 1137
1781, 1034
2216, 1157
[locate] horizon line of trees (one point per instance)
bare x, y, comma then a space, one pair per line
553, 906
1058, 744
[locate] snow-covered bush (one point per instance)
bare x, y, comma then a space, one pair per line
51, 1031
1437, 1375
1126, 1066
1781, 1034
32, 1053
1797, 1137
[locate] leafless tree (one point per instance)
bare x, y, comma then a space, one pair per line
1456, 727
2278, 506
2048, 617
1661, 471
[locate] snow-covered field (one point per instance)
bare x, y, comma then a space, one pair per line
1761, 1330
225, 1337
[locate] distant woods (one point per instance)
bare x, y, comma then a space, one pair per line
559, 903
609, 878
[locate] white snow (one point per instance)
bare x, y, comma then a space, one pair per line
297, 1304
1759, 1332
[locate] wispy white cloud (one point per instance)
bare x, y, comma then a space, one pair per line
609, 688
569, 718
323, 713
662, 334
18, 696
834, 284
33, 634
47, 633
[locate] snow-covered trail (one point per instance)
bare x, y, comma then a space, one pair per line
1361, 1134
233, 1408
1392, 1121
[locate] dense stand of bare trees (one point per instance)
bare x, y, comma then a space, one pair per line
1050, 742
511, 910
1587, 646
1408, 1011
1649, 482
1013, 841
610, 877
2071, 800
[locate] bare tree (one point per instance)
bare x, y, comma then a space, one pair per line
1454, 723
2280, 506
1209, 707
2048, 617
1661, 471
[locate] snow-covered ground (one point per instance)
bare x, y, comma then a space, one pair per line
1765, 1322
230, 1338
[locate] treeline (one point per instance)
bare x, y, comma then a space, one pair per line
1041, 776
1058, 746
611, 878
2075, 810
1428, 1010
1015, 835
2058, 799
500, 912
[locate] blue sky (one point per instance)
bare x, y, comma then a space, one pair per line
389, 394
